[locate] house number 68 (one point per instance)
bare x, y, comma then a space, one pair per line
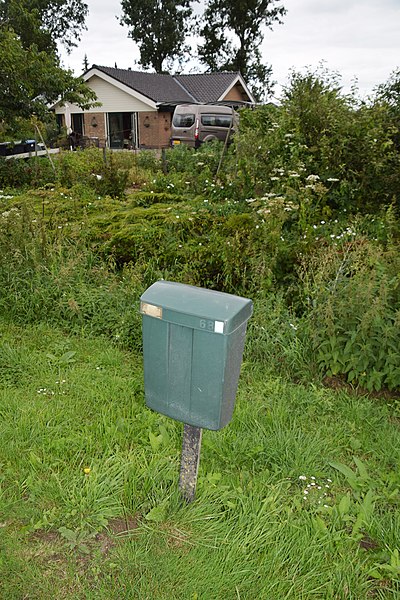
209, 325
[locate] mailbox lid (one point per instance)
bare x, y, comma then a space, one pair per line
195, 307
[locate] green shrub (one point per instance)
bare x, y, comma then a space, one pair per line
318, 131
352, 293
182, 159
147, 199
19, 173
80, 166
112, 180
148, 160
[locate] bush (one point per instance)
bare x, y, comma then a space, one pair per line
85, 167
318, 131
352, 297
19, 173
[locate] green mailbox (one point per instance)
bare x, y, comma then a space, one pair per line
193, 342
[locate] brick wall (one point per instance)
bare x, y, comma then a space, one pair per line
95, 132
154, 129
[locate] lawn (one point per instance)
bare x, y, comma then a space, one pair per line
297, 498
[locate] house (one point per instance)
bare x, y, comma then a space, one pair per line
136, 108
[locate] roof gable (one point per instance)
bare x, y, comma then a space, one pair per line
212, 87
155, 86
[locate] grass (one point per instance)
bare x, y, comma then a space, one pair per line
89, 506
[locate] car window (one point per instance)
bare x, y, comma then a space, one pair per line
216, 120
183, 120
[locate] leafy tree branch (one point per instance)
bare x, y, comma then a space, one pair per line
159, 27
233, 31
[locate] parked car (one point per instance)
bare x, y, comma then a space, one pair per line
20, 147
193, 124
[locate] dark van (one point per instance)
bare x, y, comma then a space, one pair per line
193, 124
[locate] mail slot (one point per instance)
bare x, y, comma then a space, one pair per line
193, 341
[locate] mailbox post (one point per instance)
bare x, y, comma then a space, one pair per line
193, 341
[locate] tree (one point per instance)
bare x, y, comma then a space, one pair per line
31, 77
45, 22
389, 92
159, 27
232, 32
31, 80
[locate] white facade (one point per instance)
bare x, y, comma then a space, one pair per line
112, 95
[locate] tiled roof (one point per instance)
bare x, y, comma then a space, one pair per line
156, 86
207, 87
202, 87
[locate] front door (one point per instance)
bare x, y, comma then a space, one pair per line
77, 123
122, 130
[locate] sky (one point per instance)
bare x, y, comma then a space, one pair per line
359, 39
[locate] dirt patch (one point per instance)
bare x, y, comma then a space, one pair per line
117, 529
337, 383
53, 546
122, 525
45, 537
368, 543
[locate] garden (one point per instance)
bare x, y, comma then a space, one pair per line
298, 497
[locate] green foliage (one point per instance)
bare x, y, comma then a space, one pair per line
353, 294
147, 199
113, 179
20, 173
389, 93
85, 167
64, 285
320, 132
81, 166
159, 29
148, 160
33, 79
311, 279
42, 23
275, 339
23, 129
283, 225
183, 159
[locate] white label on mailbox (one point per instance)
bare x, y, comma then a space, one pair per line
219, 327
151, 310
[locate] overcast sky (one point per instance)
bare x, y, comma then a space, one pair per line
358, 38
